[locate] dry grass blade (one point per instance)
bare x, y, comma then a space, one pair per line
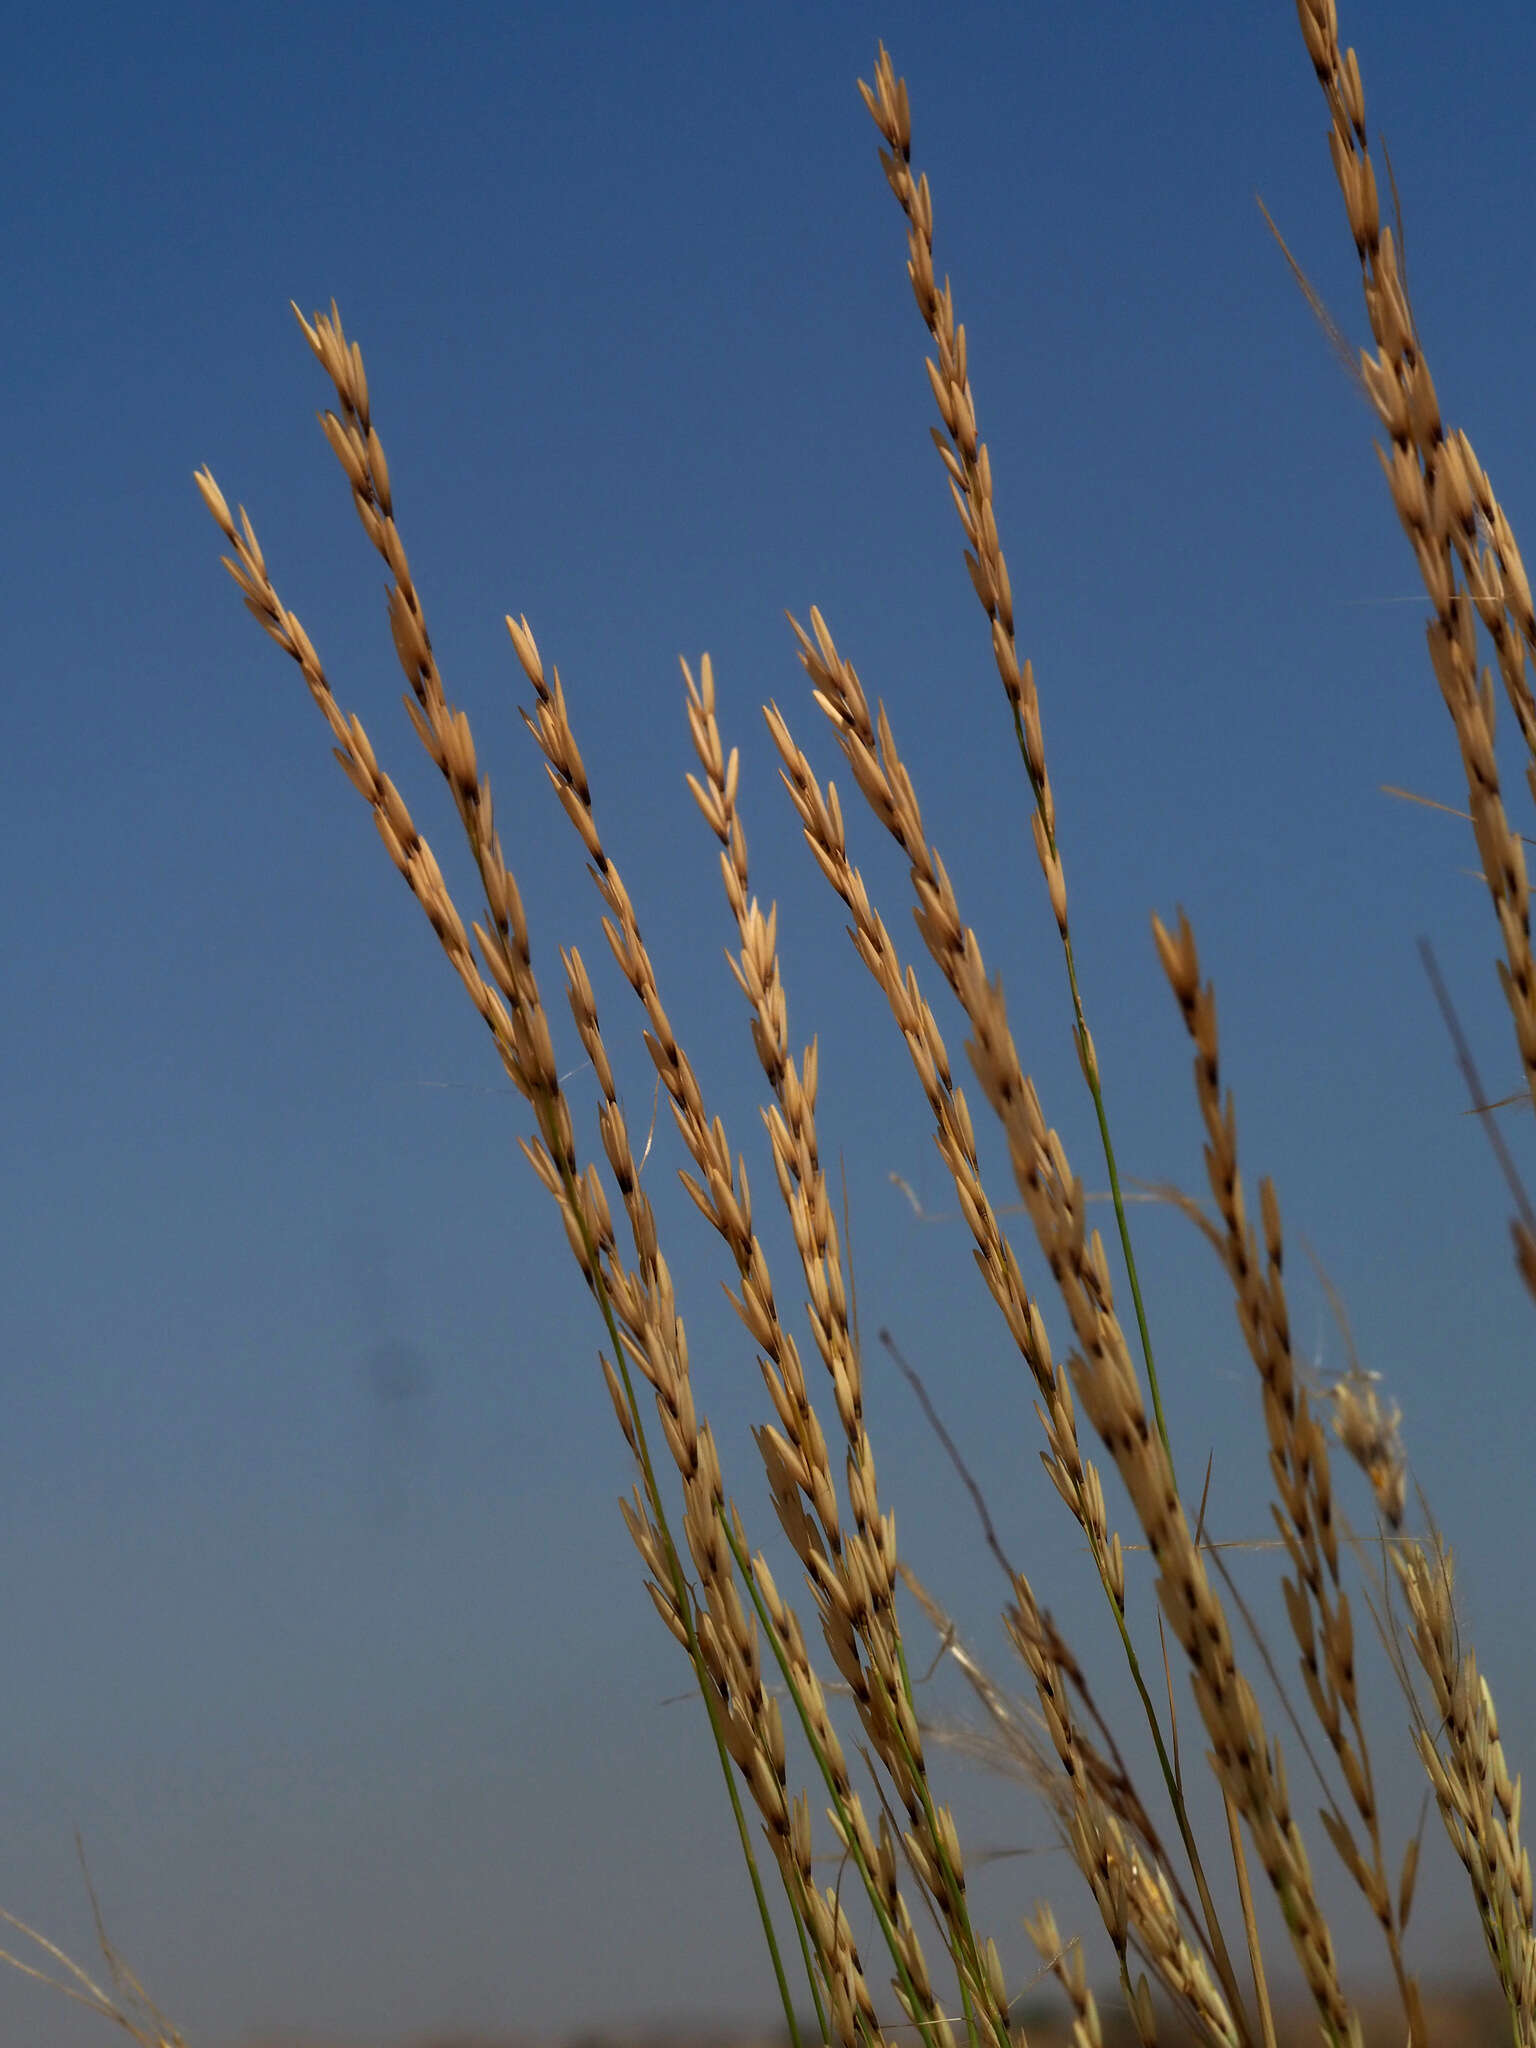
127, 2005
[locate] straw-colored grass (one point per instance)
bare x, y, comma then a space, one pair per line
845, 1685
727, 1609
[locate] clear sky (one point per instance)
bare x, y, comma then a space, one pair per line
320, 1623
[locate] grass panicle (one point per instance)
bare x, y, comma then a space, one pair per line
841, 1535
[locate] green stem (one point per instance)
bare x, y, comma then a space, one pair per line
962, 1945
1090, 1066
684, 1600
810, 1969
850, 1837
1219, 1954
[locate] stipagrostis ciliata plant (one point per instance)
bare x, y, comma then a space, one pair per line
791, 1679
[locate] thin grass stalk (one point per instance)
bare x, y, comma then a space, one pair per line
516, 1016
1133, 1892
685, 1604
1068, 1782
1250, 1923
127, 2006
850, 1574
1317, 1604
1049, 1192
803, 1185
1056, 1674
446, 736
724, 1199
970, 480
879, 1884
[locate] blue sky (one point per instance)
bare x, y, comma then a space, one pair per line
320, 1622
